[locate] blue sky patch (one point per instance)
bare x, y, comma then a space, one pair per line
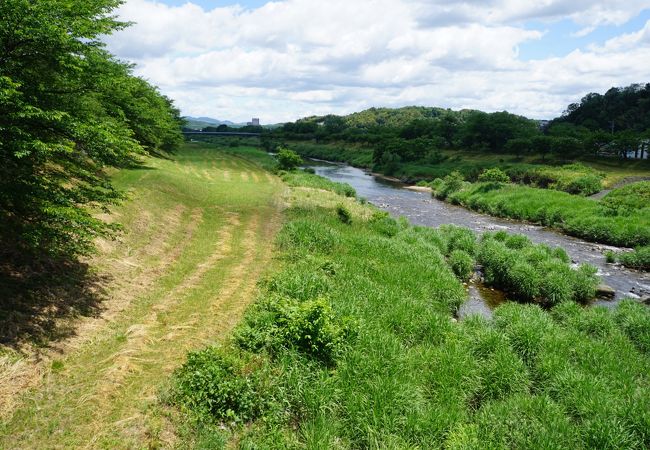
560, 39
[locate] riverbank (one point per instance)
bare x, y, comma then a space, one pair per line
472, 163
596, 221
422, 209
352, 344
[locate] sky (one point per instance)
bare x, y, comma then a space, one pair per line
283, 60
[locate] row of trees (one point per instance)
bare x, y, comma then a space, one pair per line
68, 110
418, 133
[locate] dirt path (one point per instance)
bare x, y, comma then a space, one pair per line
181, 279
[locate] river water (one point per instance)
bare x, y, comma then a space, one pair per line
421, 209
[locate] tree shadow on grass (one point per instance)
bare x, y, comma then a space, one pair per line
40, 297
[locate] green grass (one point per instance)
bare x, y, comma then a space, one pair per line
351, 345
198, 234
300, 178
607, 222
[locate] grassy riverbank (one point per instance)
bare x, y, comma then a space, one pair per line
198, 233
351, 345
620, 220
528, 169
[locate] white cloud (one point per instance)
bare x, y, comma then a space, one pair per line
292, 58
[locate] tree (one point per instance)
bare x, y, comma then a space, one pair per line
68, 109
288, 159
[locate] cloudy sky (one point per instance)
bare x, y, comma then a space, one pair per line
283, 60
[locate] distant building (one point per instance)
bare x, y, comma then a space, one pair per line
255, 122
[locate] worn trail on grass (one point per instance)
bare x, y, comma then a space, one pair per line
182, 275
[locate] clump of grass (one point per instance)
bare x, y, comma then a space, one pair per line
442, 188
344, 214
637, 259
308, 235
534, 272
462, 264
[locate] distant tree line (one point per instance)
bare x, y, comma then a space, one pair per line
68, 110
613, 123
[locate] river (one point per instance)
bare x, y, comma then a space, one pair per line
421, 209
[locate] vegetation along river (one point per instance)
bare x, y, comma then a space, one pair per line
422, 209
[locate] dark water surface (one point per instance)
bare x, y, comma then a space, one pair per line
421, 209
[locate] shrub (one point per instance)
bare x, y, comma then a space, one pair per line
450, 184
212, 385
582, 185
462, 264
493, 175
309, 327
344, 214
288, 159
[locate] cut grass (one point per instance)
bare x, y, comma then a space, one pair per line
198, 233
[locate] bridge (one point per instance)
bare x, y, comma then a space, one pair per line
220, 133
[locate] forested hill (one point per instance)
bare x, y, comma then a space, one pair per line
68, 110
415, 134
619, 109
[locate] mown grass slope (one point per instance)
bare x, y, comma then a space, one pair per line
197, 235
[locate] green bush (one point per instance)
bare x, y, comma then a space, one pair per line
462, 264
493, 175
288, 159
309, 327
458, 238
449, 184
213, 385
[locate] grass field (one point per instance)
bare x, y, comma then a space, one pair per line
198, 235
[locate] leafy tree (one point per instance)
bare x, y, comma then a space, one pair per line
288, 159
68, 109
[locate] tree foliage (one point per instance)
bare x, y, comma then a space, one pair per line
68, 110
288, 159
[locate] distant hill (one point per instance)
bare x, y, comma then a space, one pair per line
198, 123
